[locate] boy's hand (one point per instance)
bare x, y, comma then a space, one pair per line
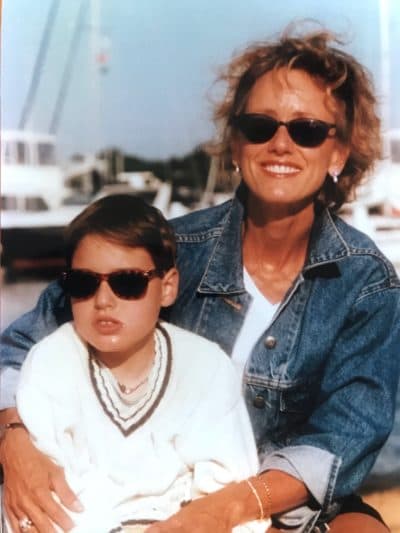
30, 477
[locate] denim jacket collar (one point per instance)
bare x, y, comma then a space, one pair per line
327, 246
227, 255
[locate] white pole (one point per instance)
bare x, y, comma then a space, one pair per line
94, 100
384, 18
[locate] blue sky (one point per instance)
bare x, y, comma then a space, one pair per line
154, 99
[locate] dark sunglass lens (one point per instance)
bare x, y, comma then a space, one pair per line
80, 284
128, 285
257, 129
308, 133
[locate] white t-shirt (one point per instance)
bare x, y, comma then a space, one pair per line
258, 318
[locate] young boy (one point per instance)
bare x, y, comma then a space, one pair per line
142, 415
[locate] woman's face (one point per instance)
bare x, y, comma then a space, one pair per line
279, 172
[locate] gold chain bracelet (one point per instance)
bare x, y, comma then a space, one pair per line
257, 496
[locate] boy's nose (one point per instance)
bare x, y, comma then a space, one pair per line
104, 296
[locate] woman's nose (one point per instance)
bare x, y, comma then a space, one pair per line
104, 296
281, 142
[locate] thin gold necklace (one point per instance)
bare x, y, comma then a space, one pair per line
130, 390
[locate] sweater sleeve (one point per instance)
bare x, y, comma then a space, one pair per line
45, 399
217, 440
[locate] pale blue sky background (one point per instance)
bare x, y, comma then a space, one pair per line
154, 100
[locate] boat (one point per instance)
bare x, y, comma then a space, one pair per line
31, 178
376, 209
39, 198
32, 192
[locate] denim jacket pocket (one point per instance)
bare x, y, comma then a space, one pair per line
279, 411
296, 405
296, 400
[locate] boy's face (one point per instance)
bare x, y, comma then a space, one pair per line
113, 325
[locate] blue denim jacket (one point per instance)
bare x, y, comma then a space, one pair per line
321, 382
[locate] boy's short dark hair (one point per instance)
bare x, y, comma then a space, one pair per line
126, 220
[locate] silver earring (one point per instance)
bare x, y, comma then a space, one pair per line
236, 167
335, 176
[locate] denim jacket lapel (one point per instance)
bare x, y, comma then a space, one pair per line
327, 245
226, 257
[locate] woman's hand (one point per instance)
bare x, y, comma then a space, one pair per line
197, 517
29, 479
236, 504
218, 512
191, 523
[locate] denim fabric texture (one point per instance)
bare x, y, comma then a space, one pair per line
320, 385
321, 382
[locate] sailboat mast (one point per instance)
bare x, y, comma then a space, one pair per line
38, 67
55, 119
384, 19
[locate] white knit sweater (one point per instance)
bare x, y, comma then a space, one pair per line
192, 436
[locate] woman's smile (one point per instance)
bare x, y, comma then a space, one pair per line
280, 170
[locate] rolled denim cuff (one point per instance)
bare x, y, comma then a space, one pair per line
317, 469
8, 386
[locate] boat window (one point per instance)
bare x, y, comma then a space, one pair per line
22, 153
22, 203
46, 154
8, 203
395, 149
7, 152
35, 203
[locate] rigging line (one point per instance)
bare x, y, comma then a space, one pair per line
37, 71
55, 119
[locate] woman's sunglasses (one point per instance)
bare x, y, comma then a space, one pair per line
126, 284
306, 132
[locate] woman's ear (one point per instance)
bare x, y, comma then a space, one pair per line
169, 287
235, 153
339, 158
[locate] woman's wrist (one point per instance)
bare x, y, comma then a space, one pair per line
239, 503
261, 496
10, 426
9, 415
280, 491
262, 493
9, 422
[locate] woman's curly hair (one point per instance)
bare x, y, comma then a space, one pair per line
358, 126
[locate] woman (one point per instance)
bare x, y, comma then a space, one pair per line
307, 306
